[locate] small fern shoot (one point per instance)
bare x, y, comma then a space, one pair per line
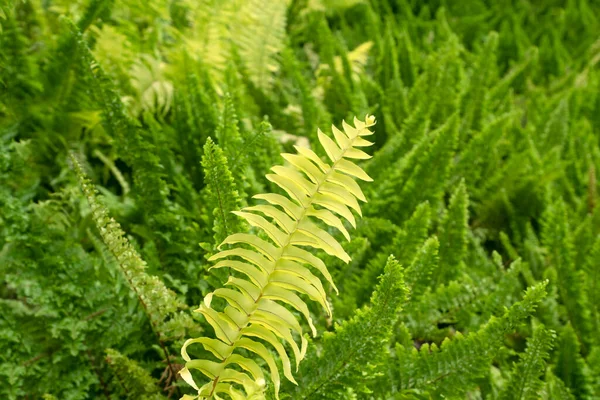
275, 271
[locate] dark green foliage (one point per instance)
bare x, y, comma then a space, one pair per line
137, 383
485, 163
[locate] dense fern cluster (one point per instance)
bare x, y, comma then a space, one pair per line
189, 207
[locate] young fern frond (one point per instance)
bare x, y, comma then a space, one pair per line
276, 270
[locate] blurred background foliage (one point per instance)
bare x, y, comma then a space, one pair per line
485, 164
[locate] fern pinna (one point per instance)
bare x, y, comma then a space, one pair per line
275, 270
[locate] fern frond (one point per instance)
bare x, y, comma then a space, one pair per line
408, 65
525, 380
159, 303
452, 367
418, 275
476, 160
422, 314
414, 128
453, 235
222, 192
357, 60
558, 239
404, 245
228, 132
420, 175
464, 302
210, 40
592, 269
154, 93
136, 150
593, 360
414, 232
274, 270
260, 37
571, 367
352, 356
473, 102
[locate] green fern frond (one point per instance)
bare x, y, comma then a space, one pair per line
462, 303
525, 383
408, 67
135, 149
159, 303
556, 130
228, 132
388, 69
473, 102
592, 269
275, 269
209, 42
154, 92
194, 119
451, 368
476, 160
593, 360
313, 111
453, 235
418, 275
414, 232
413, 129
558, 240
405, 245
221, 189
420, 175
422, 314
352, 356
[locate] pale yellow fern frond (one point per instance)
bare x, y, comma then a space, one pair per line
280, 271
260, 37
210, 40
254, 29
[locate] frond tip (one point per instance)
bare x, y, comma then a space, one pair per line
278, 270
